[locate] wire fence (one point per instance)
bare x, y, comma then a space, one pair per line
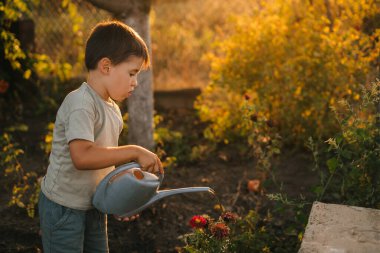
56, 33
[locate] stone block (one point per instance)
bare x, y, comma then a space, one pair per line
341, 229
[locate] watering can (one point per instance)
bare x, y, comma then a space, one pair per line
128, 190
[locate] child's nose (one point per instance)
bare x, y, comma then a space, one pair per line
134, 83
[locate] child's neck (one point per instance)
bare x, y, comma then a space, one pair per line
95, 81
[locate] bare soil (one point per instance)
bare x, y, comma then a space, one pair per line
159, 227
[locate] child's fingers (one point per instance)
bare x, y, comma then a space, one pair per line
126, 219
155, 167
148, 167
151, 168
117, 217
132, 218
160, 167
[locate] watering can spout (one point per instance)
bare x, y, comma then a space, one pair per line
166, 193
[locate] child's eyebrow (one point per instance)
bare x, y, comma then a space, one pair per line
135, 70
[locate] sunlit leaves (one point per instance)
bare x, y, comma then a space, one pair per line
298, 58
12, 50
24, 185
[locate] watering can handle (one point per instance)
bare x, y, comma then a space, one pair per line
120, 169
125, 167
128, 166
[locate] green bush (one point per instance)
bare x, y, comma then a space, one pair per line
352, 156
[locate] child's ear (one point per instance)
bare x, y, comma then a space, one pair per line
104, 65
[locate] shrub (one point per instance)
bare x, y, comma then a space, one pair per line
23, 185
352, 156
294, 60
22, 68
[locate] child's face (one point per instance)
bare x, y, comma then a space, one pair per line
122, 78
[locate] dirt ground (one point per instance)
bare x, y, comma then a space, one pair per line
159, 227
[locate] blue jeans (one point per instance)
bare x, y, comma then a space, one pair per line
69, 230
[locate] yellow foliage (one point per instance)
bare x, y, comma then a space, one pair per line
298, 58
24, 185
27, 73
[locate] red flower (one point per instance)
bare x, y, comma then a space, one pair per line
253, 185
247, 97
198, 222
220, 230
229, 217
4, 85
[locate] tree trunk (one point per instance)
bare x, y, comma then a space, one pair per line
140, 104
135, 13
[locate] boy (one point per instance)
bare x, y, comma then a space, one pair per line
85, 142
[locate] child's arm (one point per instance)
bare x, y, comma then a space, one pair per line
86, 155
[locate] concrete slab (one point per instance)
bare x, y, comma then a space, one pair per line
341, 229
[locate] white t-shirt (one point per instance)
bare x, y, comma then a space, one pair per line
82, 115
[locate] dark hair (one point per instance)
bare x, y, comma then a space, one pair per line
116, 41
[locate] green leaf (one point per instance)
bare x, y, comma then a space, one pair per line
362, 133
318, 190
332, 164
346, 154
339, 139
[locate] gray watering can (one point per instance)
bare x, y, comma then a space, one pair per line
128, 190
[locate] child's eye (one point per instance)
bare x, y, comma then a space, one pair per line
130, 74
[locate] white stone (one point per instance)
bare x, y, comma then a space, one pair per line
341, 229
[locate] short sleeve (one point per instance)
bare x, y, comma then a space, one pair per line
80, 125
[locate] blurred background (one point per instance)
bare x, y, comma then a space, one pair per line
182, 34
272, 103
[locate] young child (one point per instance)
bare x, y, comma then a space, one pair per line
85, 142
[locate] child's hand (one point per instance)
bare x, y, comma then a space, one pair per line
149, 161
126, 219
